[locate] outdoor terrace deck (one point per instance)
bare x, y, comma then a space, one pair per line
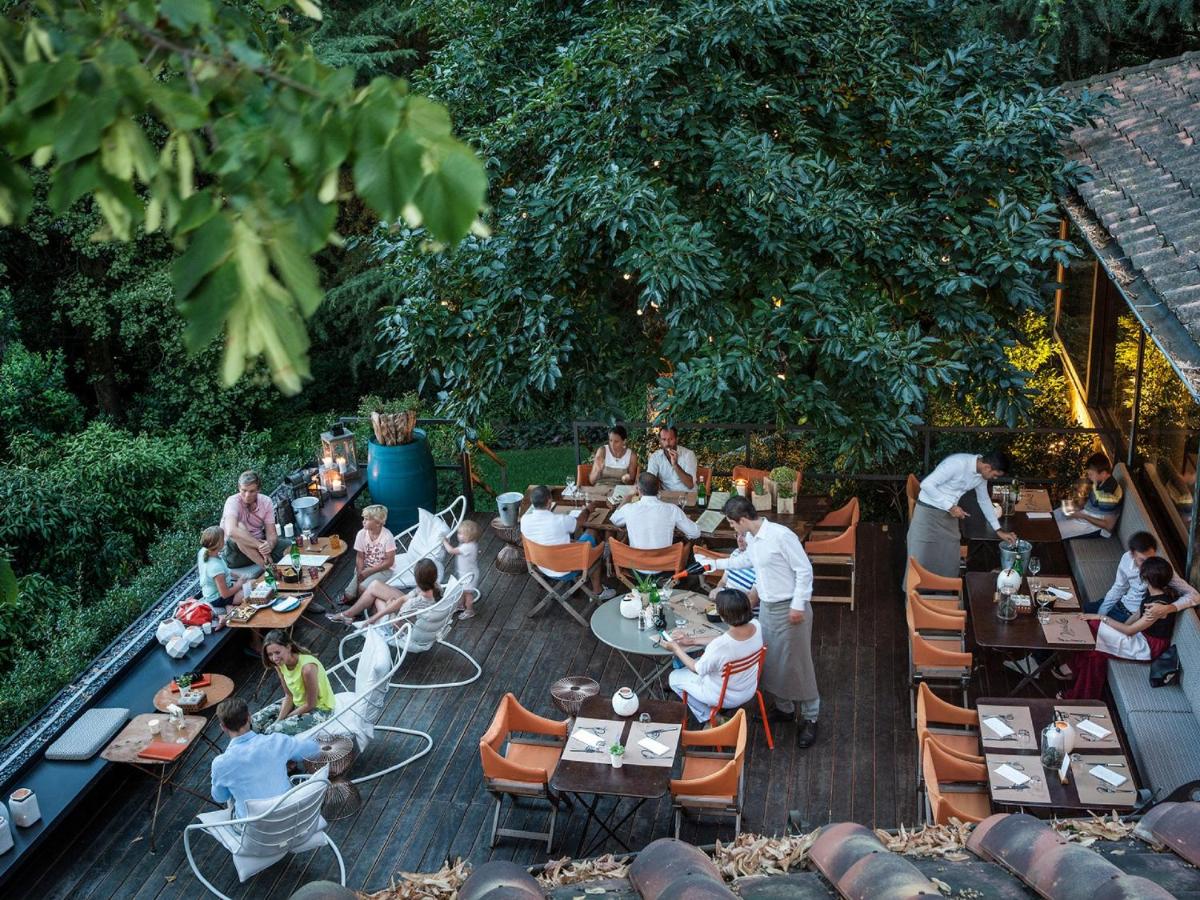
861, 768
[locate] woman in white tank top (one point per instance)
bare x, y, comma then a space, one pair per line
614, 463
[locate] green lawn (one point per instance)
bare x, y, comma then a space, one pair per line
539, 465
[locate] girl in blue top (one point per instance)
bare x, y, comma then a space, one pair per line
218, 586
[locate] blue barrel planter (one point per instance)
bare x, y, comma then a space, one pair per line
402, 478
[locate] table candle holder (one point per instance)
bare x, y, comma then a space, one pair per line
23, 806
6, 838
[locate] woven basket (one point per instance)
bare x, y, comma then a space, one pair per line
190, 708
333, 750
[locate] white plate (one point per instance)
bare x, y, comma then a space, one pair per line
285, 604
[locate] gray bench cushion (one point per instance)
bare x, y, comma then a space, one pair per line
1130, 684
88, 735
1187, 639
1094, 564
1166, 747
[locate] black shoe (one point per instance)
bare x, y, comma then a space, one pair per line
808, 734
778, 715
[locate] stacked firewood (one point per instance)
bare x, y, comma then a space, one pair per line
393, 428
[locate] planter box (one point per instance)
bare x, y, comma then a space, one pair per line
785, 506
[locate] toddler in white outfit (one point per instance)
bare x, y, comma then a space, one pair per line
466, 556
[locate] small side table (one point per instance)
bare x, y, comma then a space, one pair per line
221, 688
511, 559
338, 752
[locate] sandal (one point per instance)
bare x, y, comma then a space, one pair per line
1063, 672
466, 614
340, 618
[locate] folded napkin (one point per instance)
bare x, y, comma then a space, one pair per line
1008, 773
1093, 729
997, 726
654, 746
1108, 775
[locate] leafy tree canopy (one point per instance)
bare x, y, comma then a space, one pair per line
819, 211
213, 123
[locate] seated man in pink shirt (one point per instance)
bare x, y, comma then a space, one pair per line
251, 537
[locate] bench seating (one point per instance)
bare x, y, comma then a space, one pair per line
1162, 725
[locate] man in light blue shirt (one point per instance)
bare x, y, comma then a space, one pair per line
254, 767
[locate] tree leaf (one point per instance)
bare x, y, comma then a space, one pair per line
450, 196
208, 248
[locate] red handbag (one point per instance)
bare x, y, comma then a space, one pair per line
194, 612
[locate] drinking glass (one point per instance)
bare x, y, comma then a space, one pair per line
1035, 565
570, 489
1044, 603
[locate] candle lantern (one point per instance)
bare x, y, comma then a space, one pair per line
23, 805
334, 482
337, 451
740, 486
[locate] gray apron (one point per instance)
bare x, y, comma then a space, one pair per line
934, 539
788, 671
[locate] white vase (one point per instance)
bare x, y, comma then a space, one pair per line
625, 702
1008, 578
1069, 737
616, 759
631, 605
6, 838
23, 806
762, 502
785, 506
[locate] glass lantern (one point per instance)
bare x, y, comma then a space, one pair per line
337, 451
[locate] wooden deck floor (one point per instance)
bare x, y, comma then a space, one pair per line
861, 768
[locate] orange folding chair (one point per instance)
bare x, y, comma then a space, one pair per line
712, 780
626, 561
704, 474
577, 558
912, 490
838, 520
583, 474
713, 578
936, 651
953, 728
733, 667
954, 788
524, 768
931, 586
836, 551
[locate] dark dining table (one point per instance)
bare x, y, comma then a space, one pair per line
1064, 797
597, 780
1018, 638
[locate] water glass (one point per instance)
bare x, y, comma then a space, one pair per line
569, 491
1035, 565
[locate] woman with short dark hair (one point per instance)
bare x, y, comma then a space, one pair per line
701, 678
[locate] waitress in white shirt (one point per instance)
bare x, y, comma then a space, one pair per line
701, 678
614, 463
785, 583
933, 535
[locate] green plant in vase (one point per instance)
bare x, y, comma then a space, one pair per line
785, 489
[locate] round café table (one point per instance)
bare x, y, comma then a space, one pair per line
221, 688
685, 609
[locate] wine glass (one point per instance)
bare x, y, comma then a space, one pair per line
1044, 601
569, 491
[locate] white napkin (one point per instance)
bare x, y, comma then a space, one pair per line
587, 737
1093, 729
654, 746
1008, 773
574, 513
1108, 775
313, 560
1060, 593
1039, 515
997, 727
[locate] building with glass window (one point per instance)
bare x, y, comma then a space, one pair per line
1127, 316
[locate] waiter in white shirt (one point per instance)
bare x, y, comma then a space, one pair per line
675, 466
650, 522
785, 583
933, 535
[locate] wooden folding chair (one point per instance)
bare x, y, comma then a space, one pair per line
583, 474
733, 667
524, 767
712, 781
713, 578
954, 788
837, 521
836, 551
912, 490
954, 729
931, 586
577, 558
626, 560
937, 655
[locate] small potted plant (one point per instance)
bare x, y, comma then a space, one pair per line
761, 497
785, 490
616, 754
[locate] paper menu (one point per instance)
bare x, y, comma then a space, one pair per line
997, 727
1092, 728
1108, 775
710, 520
1010, 774
313, 560
716, 500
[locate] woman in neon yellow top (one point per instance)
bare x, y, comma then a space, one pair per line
307, 695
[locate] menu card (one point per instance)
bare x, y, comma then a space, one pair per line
652, 743
1068, 628
1093, 728
1004, 773
1006, 727
1103, 781
590, 739
710, 520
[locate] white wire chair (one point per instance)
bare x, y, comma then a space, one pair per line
428, 627
359, 707
452, 516
292, 823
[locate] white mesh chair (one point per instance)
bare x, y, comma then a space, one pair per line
358, 707
424, 541
271, 830
429, 628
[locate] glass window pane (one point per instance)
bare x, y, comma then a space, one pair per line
1074, 323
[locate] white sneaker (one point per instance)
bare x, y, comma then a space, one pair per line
1026, 665
606, 594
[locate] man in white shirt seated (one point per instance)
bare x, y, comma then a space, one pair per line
785, 584
650, 522
542, 526
675, 466
933, 535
